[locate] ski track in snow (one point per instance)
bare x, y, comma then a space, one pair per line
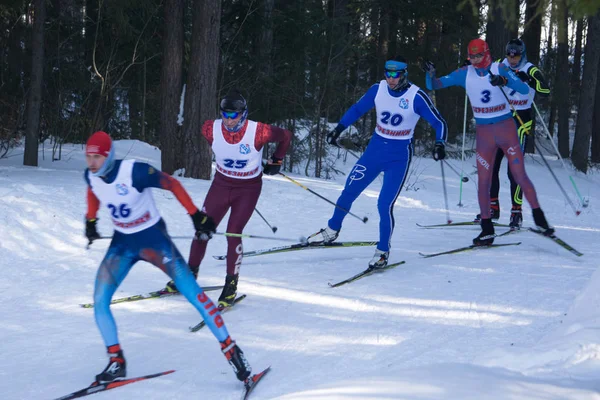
520, 322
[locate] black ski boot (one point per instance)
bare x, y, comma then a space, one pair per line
171, 288
516, 218
116, 368
236, 359
494, 211
540, 221
229, 291
487, 235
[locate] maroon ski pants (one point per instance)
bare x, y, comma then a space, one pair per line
239, 195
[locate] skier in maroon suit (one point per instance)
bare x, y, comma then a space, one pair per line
237, 143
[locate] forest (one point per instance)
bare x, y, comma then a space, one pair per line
154, 70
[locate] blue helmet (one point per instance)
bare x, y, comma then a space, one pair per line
516, 47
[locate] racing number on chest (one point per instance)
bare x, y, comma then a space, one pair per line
120, 211
391, 119
229, 163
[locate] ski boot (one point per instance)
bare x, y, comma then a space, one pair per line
540, 221
494, 211
229, 292
171, 288
116, 368
324, 236
487, 235
380, 259
236, 359
516, 218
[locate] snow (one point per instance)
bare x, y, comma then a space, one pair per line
520, 322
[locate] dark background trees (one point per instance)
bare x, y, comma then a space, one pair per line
70, 67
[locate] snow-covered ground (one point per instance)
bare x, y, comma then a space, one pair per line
520, 322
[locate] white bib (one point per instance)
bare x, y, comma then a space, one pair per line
487, 101
518, 100
241, 160
130, 210
396, 118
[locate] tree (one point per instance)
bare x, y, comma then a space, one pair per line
201, 88
171, 85
583, 130
34, 102
561, 89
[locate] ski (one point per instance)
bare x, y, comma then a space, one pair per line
202, 324
252, 381
463, 223
467, 248
150, 295
558, 241
366, 272
101, 387
300, 246
511, 231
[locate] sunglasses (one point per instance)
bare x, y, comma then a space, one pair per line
230, 114
394, 74
513, 55
478, 55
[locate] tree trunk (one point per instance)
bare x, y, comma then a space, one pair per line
201, 91
596, 124
170, 85
576, 76
561, 90
34, 106
583, 131
497, 33
533, 30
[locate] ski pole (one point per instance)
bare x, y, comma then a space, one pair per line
363, 219
445, 194
537, 148
273, 228
583, 202
462, 178
462, 163
302, 239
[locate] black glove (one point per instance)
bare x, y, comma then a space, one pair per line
439, 151
90, 230
428, 67
273, 166
466, 62
204, 224
524, 76
498, 80
333, 136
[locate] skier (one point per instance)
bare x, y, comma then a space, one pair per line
495, 128
237, 143
516, 60
123, 186
399, 105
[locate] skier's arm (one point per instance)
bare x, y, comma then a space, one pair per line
146, 176
266, 133
455, 78
207, 131
426, 109
537, 81
93, 204
364, 104
512, 81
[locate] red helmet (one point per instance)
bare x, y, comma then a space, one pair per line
479, 46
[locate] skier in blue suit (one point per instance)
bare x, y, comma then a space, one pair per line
399, 105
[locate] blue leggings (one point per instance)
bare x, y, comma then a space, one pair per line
154, 246
392, 157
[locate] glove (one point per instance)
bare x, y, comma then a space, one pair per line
333, 136
439, 151
524, 76
428, 67
273, 166
204, 225
498, 80
90, 230
466, 63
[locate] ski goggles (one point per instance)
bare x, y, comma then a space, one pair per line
478, 55
230, 114
394, 74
